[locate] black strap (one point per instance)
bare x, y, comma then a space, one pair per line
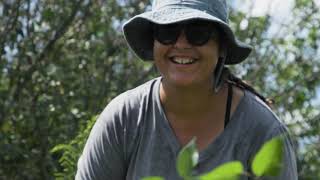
228, 107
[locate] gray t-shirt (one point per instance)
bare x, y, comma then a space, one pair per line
132, 139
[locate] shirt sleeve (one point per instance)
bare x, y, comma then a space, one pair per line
103, 154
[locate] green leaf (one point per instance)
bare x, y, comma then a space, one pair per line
227, 171
268, 160
187, 159
48, 14
60, 147
153, 178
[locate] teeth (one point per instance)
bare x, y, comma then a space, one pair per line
182, 60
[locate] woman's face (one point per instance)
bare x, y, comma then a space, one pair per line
182, 64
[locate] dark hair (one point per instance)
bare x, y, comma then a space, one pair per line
227, 76
232, 79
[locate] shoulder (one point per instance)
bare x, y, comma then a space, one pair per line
259, 122
263, 125
128, 103
112, 137
259, 116
133, 97
255, 122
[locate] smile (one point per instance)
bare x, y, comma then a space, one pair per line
180, 60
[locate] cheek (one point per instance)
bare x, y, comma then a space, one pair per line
158, 54
159, 51
212, 52
155, 50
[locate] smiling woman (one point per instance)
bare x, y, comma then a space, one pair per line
141, 131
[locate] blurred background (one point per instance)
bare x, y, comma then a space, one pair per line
61, 62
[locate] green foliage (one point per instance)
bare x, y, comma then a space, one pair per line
228, 171
153, 178
72, 151
268, 160
61, 62
187, 159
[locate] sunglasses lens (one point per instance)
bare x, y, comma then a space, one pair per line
198, 33
166, 34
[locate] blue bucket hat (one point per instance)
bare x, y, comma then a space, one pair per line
138, 30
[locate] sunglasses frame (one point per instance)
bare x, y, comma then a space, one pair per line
187, 28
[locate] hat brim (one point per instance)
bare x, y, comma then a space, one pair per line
138, 32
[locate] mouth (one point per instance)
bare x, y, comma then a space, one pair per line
182, 60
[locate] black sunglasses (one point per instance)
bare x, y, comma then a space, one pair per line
197, 32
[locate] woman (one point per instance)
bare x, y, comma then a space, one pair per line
141, 131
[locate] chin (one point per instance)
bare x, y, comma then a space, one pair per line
182, 82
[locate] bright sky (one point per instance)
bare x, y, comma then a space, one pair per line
261, 7
278, 9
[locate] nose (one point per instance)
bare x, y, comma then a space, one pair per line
182, 41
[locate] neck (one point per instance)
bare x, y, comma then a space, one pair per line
190, 101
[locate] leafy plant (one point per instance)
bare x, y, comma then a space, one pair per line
267, 162
269, 158
227, 171
72, 151
187, 159
153, 178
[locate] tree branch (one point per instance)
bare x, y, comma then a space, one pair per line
9, 27
60, 32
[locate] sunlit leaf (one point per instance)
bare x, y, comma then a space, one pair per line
187, 159
153, 178
268, 160
228, 171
